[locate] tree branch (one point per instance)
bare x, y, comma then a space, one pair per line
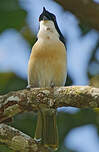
86, 10
30, 100
18, 141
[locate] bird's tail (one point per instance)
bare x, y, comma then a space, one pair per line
46, 130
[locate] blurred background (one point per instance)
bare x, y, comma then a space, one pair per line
79, 23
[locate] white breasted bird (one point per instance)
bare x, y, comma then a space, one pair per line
47, 68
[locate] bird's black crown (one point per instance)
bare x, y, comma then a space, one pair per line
47, 16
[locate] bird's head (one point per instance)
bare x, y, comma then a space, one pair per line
49, 19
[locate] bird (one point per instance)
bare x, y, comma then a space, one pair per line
47, 67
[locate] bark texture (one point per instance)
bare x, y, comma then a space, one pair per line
18, 141
30, 100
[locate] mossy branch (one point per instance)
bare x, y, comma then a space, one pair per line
29, 100
18, 141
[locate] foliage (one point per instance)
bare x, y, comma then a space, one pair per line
11, 15
11, 82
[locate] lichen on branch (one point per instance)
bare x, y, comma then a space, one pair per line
18, 141
29, 100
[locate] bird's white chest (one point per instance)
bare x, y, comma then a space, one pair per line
47, 31
48, 58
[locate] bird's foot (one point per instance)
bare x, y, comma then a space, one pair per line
29, 87
37, 140
52, 84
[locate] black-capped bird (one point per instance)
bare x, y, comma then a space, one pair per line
47, 68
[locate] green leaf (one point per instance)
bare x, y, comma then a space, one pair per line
11, 15
10, 82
